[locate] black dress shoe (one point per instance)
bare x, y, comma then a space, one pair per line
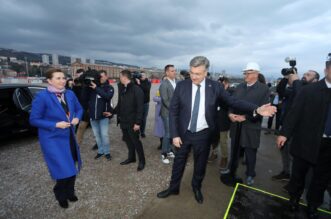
127, 162
95, 147
141, 166
294, 204
312, 212
230, 179
73, 198
64, 204
198, 195
166, 193
98, 156
108, 157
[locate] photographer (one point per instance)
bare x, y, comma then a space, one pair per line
78, 85
142, 81
97, 95
287, 89
290, 85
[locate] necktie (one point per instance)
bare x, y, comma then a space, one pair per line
195, 111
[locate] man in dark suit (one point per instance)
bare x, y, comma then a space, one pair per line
309, 124
193, 111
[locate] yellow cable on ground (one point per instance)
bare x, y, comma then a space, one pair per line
229, 206
262, 191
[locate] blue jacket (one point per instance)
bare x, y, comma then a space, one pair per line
98, 101
55, 142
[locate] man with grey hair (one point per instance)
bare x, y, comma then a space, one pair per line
192, 116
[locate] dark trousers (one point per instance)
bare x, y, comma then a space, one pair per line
134, 144
64, 188
200, 142
250, 154
286, 157
321, 175
278, 116
145, 114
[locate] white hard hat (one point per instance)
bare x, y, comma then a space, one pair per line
252, 66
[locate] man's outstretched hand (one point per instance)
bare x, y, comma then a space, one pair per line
266, 110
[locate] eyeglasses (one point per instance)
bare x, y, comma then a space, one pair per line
249, 72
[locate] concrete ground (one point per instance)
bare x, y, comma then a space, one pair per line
216, 194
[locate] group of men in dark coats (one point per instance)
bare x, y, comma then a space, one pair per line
308, 123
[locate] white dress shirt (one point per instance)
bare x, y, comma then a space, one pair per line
202, 123
328, 84
173, 83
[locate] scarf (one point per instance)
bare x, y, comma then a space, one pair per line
59, 93
52, 89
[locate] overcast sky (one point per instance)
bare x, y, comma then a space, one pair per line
158, 32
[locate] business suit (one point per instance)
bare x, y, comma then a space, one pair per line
166, 93
306, 123
180, 118
258, 94
59, 146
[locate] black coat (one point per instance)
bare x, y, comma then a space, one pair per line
130, 106
181, 103
223, 121
145, 85
251, 128
287, 94
306, 119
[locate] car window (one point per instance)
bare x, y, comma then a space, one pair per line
6, 101
35, 90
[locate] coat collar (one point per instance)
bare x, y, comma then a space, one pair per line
56, 101
321, 84
253, 86
169, 83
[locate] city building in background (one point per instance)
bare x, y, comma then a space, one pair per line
55, 59
45, 59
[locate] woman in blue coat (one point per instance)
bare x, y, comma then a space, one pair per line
55, 112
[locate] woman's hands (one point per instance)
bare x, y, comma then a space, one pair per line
64, 124
75, 121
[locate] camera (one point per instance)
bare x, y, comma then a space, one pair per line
91, 75
136, 75
292, 62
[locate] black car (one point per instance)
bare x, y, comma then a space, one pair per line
15, 107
